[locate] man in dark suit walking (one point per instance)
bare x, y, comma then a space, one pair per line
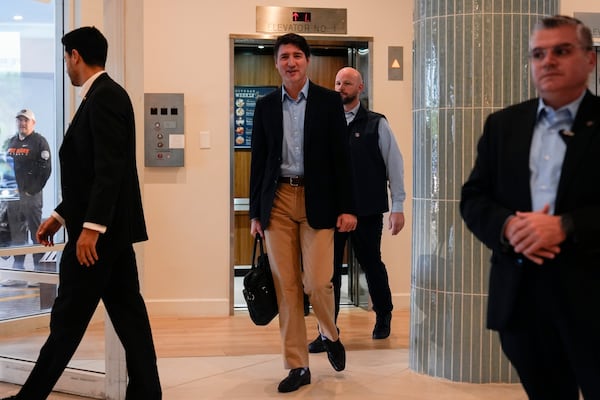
102, 210
533, 198
300, 191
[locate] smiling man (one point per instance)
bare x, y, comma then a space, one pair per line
533, 198
300, 191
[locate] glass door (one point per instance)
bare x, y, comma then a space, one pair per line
35, 107
30, 81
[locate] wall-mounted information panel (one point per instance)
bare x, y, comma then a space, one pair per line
245, 98
163, 129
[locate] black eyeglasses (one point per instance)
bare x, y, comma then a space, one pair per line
559, 51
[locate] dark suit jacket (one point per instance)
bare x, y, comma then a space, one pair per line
499, 186
98, 167
326, 161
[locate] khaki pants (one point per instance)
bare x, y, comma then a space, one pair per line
301, 259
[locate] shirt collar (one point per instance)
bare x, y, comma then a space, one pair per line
571, 107
354, 110
88, 84
303, 92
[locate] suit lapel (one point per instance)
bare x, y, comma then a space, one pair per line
521, 147
584, 127
308, 117
277, 107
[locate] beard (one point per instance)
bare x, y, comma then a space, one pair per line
348, 99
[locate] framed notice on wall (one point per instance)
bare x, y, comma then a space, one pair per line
244, 102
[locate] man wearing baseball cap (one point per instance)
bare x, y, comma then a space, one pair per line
27, 114
31, 159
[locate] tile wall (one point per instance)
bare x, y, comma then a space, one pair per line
470, 58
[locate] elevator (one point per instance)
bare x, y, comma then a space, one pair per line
253, 73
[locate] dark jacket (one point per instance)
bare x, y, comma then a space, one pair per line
99, 179
31, 160
328, 190
499, 186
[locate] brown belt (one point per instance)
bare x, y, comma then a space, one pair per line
292, 180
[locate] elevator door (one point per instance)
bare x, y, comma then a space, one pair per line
254, 66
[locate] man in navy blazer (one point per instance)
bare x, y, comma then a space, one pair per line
102, 210
300, 191
533, 198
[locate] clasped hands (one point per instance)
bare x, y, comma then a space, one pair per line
535, 234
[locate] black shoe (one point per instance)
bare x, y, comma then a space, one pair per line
382, 326
316, 346
335, 353
296, 378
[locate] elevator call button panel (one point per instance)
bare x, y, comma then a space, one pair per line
163, 130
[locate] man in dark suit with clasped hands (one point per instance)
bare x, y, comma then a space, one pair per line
300, 191
102, 210
533, 198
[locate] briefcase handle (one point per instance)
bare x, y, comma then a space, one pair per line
257, 241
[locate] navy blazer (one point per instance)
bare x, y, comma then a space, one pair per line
326, 161
99, 179
499, 185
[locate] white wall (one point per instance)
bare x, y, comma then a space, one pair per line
568, 7
186, 263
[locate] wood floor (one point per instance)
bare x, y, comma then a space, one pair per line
237, 335
229, 336
229, 358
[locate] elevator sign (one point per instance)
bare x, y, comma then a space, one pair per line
301, 20
301, 16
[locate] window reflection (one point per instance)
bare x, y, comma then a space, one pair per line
30, 83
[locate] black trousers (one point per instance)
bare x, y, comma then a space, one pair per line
554, 342
114, 280
24, 219
366, 243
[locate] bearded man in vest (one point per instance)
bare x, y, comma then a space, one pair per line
376, 164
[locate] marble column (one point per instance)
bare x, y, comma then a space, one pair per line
470, 59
